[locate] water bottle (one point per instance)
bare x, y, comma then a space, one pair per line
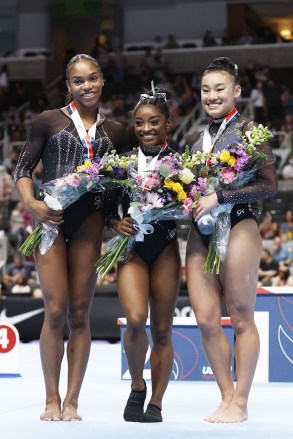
206, 224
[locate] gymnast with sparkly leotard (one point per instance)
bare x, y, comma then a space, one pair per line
62, 139
151, 277
237, 280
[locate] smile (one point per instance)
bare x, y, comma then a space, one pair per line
88, 95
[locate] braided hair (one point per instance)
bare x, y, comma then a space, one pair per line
223, 64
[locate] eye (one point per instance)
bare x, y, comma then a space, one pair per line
95, 78
77, 81
138, 123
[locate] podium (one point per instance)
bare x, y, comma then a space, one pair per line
9, 343
190, 362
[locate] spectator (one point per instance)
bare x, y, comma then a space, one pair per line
4, 80
209, 39
268, 228
120, 66
18, 271
227, 39
280, 252
258, 101
286, 227
171, 42
6, 185
268, 268
287, 171
283, 278
274, 104
158, 42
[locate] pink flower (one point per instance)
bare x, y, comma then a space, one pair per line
151, 181
227, 175
187, 206
73, 180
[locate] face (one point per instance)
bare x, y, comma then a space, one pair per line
218, 93
85, 83
150, 125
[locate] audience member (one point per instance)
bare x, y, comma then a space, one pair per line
258, 101
17, 272
171, 42
209, 39
283, 278
287, 171
280, 252
268, 268
267, 227
286, 227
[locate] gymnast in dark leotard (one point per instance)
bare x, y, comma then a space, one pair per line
150, 279
237, 279
66, 272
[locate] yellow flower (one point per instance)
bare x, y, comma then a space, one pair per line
181, 195
176, 187
224, 157
231, 161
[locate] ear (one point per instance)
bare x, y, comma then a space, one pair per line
67, 85
237, 92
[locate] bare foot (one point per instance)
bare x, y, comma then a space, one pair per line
234, 413
69, 413
220, 410
52, 412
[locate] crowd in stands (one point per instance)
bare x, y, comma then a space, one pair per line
273, 106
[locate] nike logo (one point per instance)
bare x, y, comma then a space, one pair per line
19, 317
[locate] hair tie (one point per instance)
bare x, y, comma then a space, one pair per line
236, 68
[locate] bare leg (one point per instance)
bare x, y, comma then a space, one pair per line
51, 340
133, 288
83, 252
239, 276
165, 276
205, 295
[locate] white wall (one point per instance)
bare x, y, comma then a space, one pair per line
188, 20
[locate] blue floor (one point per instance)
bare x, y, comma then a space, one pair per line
104, 395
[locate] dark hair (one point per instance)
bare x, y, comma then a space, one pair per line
81, 57
224, 64
155, 97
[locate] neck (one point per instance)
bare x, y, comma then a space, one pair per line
86, 113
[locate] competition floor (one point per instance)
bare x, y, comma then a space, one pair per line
104, 394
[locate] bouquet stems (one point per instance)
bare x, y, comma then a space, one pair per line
213, 261
32, 241
108, 260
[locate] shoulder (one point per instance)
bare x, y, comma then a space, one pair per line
48, 116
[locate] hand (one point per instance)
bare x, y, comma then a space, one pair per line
44, 214
127, 227
204, 205
256, 208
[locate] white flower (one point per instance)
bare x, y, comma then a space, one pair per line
186, 176
152, 201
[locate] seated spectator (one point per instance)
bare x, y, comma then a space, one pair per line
119, 66
227, 39
158, 42
209, 39
267, 227
280, 252
171, 42
286, 227
268, 268
19, 272
6, 185
258, 101
283, 277
287, 171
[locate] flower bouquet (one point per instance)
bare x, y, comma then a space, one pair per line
60, 193
167, 192
233, 167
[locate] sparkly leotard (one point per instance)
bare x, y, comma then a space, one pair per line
263, 186
54, 140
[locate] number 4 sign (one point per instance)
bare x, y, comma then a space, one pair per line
9, 340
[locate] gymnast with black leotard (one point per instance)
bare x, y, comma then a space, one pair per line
150, 279
62, 139
237, 279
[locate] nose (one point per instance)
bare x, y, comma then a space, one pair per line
146, 127
212, 95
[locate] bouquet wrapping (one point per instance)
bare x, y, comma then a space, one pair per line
167, 192
233, 167
96, 175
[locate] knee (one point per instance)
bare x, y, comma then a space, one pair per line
78, 316
136, 324
161, 337
207, 323
241, 318
56, 318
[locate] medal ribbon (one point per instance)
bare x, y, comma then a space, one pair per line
207, 144
87, 138
144, 168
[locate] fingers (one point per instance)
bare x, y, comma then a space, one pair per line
128, 227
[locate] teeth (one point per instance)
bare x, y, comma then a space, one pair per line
88, 94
